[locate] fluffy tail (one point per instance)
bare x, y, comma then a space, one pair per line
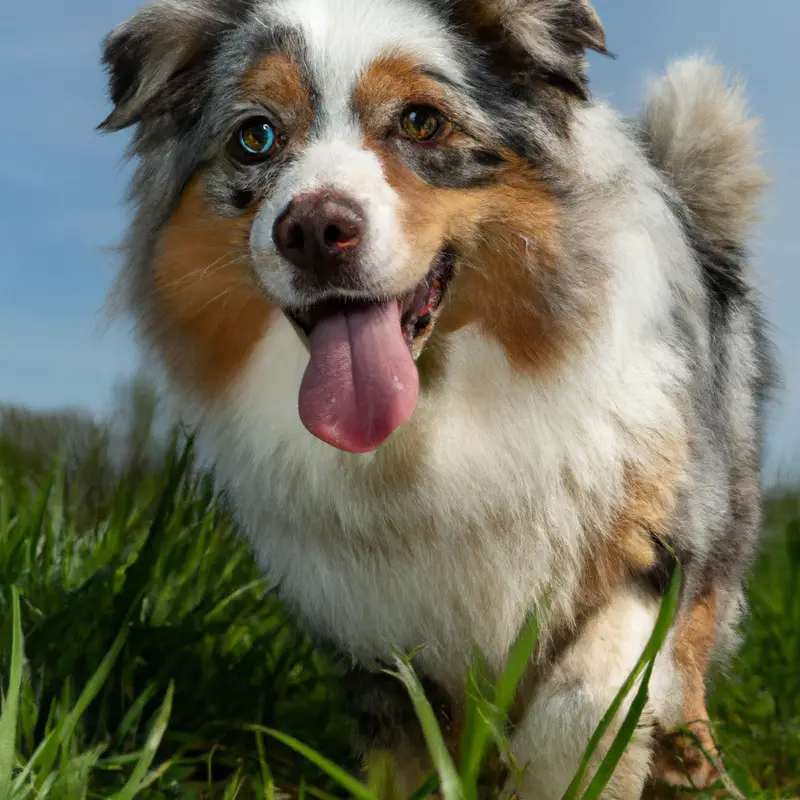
700, 134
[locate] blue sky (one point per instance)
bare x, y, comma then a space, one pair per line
61, 184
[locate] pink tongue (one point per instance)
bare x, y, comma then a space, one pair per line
361, 382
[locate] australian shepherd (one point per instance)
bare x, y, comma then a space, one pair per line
459, 339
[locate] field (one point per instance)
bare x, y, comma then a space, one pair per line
158, 664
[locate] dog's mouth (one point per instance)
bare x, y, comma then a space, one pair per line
361, 382
419, 307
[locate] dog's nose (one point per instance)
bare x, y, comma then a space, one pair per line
320, 234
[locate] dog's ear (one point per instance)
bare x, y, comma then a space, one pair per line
544, 37
150, 58
586, 29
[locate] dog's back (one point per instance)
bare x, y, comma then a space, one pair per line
696, 131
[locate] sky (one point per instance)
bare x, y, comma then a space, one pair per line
61, 183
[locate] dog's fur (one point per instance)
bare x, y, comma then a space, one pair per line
594, 388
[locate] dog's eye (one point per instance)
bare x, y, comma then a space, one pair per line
421, 123
255, 139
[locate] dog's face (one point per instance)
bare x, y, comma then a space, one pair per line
373, 168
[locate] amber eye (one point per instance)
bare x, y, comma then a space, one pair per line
255, 139
421, 123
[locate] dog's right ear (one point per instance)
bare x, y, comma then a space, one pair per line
536, 38
150, 58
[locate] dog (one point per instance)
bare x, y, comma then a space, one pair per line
462, 342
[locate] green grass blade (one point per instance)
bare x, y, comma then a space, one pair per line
130, 789
225, 602
22, 780
43, 792
663, 622
428, 787
336, 773
139, 574
612, 758
234, 785
518, 660
475, 734
71, 780
266, 775
485, 721
134, 713
449, 781
8, 719
312, 791
45, 756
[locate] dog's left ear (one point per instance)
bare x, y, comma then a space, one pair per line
543, 37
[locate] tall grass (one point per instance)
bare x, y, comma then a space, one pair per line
158, 664
164, 586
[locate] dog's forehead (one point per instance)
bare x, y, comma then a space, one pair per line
341, 38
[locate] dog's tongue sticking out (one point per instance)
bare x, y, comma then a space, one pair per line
361, 382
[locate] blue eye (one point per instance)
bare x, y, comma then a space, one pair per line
257, 138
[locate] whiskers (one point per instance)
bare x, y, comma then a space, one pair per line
212, 287
212, 270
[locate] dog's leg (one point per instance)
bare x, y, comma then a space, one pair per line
389, 738
688, 758
570, 701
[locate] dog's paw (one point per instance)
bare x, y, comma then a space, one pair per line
687, 759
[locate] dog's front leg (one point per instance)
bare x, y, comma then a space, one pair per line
571, 700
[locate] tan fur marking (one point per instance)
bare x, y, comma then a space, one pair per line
276, 81
628, 549
681, 759
617, 555
507, 234
387, 86
209, 314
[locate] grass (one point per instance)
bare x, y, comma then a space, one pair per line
158, 664
757, 704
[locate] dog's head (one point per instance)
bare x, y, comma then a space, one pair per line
373, 168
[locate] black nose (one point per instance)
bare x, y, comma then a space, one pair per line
321, 234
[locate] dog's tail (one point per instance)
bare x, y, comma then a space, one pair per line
698, 131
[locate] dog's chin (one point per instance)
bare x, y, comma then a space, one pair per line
420, 306
361, 382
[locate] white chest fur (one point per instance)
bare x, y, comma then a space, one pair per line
453, 530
